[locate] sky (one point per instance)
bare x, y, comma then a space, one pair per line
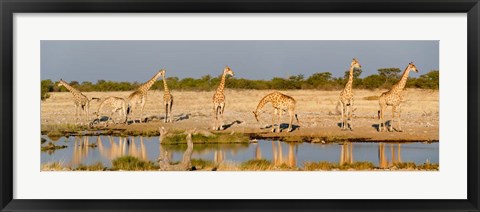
139, 60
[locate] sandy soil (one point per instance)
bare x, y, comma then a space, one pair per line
316, 111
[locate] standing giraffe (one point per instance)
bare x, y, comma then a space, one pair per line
346, 97
280, 103
115, 104
167, 99
219, 100
139, 96
80, 100
393, 98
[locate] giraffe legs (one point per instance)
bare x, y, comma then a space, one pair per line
381, 124
87, 111
397, 109
166, 112
347, 115
222, 109
273, 119
218, 109
350, 115
170, 111
279, 119
291, 113
76, 113
215, 121
342, 108
394, 109
141, 108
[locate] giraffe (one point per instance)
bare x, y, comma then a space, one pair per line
139, 96
346, 97
167, 99
393, 98
280, 103
80, 100
219, 100
116, 104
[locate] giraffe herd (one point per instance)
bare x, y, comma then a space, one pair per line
280, 102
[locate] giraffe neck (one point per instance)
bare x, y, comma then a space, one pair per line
262, 103
71, 89
165, 86
146, 86
348, 86
403, 81
222, 84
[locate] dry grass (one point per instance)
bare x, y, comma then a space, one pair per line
256, 165
98, 166
326, 166
130, 163
371, 98
316, 111
55, 166
59, 108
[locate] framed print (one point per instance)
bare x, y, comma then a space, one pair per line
265, 105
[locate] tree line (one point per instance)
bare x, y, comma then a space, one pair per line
384, 79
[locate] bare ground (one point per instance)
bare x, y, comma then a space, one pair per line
316, 110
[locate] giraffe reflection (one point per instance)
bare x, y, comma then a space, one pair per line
396, 156
277, 152
346, 153
124, 147
80, 150
219, 156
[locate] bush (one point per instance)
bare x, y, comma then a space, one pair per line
46, 86
385, 78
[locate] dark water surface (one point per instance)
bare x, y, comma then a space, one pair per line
80, 151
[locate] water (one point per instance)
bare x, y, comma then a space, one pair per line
293, 154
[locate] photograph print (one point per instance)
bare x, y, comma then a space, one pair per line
239, 105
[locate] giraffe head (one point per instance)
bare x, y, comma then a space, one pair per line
60, 83
412, 67
162, 72
256, 115
355, 63
228, 71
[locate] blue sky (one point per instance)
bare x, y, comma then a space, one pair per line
139, 60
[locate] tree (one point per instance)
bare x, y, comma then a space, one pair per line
320, 80
391, 75
46, 86
373, 81
429, 80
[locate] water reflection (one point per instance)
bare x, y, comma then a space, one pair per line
91, 149
395, 153
346, 153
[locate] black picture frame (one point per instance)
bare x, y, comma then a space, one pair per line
9, 7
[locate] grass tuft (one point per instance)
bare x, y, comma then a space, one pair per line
131, 163
325, 165
54, 166
321, 165
98, 166
52, 147
371, 98
429, 166
202, 164
180, 138
256, 165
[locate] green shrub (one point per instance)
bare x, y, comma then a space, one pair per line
131, 163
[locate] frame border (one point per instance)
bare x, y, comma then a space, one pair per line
9, 7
